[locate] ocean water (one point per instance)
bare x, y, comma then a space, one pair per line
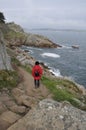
65, 61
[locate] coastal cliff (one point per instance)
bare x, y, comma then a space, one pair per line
26, 108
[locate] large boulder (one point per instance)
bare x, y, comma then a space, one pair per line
52, 115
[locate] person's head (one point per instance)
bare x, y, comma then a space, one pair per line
37, 63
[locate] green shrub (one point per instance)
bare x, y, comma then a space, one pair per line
15, 61
8, 79
27, 68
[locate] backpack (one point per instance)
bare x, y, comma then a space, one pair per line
36, 73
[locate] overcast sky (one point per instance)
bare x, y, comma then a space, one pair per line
64, 14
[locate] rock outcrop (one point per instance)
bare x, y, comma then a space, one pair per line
39, 41
17, 37
15, 27
4, 58
52, 115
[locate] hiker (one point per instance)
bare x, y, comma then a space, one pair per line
37, 73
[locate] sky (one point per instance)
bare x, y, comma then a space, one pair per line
56, 14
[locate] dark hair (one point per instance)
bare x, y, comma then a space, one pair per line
36, 63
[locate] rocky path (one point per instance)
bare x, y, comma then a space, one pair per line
29, 88
24, 97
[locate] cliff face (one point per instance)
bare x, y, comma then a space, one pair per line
4, 58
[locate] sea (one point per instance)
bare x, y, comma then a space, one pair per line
66, 61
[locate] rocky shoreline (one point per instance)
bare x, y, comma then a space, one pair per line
67, 118
23, 108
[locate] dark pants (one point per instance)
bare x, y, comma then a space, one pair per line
37, 83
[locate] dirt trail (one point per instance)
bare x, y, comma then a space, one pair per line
29, 88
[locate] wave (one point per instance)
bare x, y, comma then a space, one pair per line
50, 55
56, 72
67, 47
30, 51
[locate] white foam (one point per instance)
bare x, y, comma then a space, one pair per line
30, 51
34, 48
50, 55
56, 72
67, 47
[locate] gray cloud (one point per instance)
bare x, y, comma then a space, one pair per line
46, 13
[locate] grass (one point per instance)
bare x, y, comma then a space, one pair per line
12, 34
63, 90
27, 68
8, 79
14, 61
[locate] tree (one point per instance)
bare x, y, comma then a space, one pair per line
2, 18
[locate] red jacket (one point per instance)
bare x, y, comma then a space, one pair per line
39, 69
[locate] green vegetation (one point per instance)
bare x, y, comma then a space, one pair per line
8, 79
27, 68
63, 90
14, 35
15, 62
